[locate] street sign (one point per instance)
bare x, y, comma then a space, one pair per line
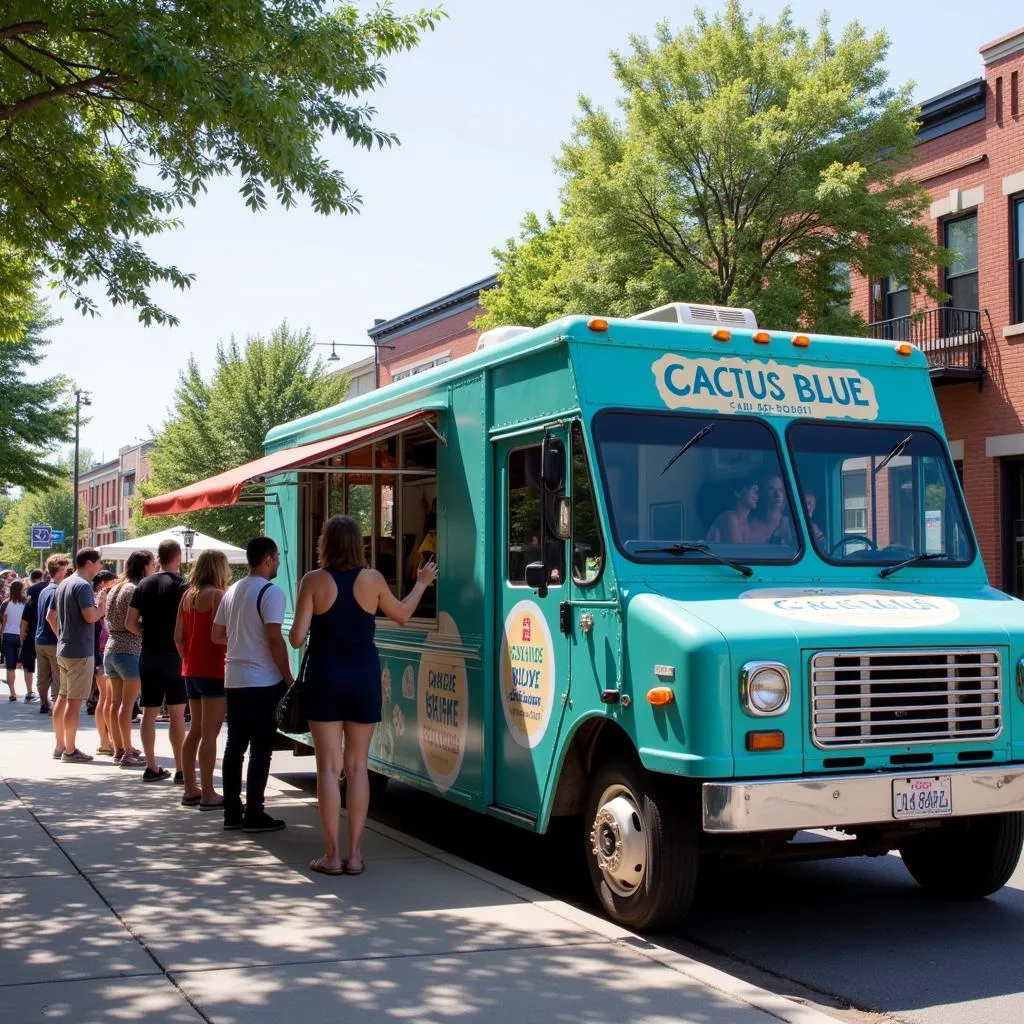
41, 537
57, 537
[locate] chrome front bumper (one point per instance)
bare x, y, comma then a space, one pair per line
824, 802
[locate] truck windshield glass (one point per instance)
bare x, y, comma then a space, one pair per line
685, 488
879, 495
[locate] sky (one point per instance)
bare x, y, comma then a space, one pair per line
480, 107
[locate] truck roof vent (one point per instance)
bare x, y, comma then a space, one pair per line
707, 316
499, 336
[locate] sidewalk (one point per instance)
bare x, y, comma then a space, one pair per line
117, 904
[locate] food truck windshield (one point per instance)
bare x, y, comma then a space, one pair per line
697, 488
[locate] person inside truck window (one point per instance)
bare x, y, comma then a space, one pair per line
810, 504
770, 522
733, 525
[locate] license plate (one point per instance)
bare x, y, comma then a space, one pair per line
922, 798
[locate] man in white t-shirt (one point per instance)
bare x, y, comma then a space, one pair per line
256, 674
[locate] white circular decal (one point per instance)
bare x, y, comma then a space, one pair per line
442, 709
893, 609
527, 673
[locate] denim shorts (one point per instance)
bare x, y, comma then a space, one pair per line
198, 687
121, 666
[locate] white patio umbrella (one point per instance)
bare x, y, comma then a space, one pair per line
199, 542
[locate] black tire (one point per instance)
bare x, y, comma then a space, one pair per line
378, 784
664, 893
967, 858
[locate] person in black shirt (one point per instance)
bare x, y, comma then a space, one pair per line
152, 615
31, 618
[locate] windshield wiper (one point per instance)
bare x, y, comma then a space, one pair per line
682, 549
702, 433
922, 557
898, 450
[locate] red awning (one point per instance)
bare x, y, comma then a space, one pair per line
226, 488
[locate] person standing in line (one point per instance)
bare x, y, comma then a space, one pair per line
121, 658
256, 675
202, 665
30, 622
101, 584
12, 627
48, 683
152, 615
77, 614
337, 605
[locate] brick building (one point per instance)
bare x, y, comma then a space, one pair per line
107, 493
428, 335
970, 158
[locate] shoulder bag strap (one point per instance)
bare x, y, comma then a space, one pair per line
259, 598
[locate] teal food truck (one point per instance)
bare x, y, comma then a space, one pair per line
703, 585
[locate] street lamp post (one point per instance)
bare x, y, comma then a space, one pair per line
81, 398
188, 535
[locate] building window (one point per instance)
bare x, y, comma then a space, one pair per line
1018, 259
961, 278
855, 501
411, 371
128, 485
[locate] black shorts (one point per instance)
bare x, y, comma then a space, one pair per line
336, 693
28, 654
199, 687
160, 673
12, 651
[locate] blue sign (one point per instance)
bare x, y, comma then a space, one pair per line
42, 537
57, 536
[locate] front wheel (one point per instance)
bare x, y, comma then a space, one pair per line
642, 849
967, 858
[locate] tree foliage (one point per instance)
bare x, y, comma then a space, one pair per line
36, 416
114, 116
51, 507
218, 424
753, 165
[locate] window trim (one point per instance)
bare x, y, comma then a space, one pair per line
577, 425
508, 582
1017, 256
946, 275
943, 451
801, 546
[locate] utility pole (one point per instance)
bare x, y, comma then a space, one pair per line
81, 398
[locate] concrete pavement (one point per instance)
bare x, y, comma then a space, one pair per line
118, 904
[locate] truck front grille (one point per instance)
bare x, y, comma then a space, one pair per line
876, 698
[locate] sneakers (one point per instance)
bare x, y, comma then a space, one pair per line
154, 776
29, 698
179, 778
131, 760
263, 822
57, 753
76, 757
44, 709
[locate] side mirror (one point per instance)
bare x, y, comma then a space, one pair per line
537, 578
553, 463
563, 518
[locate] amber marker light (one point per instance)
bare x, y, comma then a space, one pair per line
801, 340
762, 337
660, 695
598, 324
904, 349
773, 740
722, 335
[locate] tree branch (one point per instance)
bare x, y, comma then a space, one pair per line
104, 80
23, 28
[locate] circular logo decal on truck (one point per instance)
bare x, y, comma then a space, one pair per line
527, 673
892, 609
442, 707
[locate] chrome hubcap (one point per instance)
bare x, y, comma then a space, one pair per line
618, 841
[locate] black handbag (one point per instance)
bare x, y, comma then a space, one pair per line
290, 714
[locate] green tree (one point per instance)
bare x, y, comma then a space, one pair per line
114, 116
51, 507
221, 423
36, 416
754, 165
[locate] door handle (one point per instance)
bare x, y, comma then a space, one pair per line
565, 618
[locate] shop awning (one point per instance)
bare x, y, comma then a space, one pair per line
226, 488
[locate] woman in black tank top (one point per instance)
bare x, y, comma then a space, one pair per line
337, 607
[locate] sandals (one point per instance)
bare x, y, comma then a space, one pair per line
346, 870
319, 865
210, 807
191, 801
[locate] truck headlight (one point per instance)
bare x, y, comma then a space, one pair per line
765, 687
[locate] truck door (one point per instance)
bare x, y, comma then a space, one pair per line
532, 673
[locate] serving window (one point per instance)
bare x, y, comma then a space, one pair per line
390, 488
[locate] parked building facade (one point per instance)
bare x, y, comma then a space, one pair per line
107, 493
970, 158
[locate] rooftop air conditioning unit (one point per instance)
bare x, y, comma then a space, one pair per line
705, 316
499, 336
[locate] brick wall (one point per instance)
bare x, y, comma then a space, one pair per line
452, 334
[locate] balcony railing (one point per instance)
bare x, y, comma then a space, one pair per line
952, 339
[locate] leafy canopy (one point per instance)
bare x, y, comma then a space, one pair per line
114, 116
36, 416
221, 423
52, 507
753, 165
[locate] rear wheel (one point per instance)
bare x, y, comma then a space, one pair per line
967, 858
642, 850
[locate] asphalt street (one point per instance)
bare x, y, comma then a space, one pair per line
855, 937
